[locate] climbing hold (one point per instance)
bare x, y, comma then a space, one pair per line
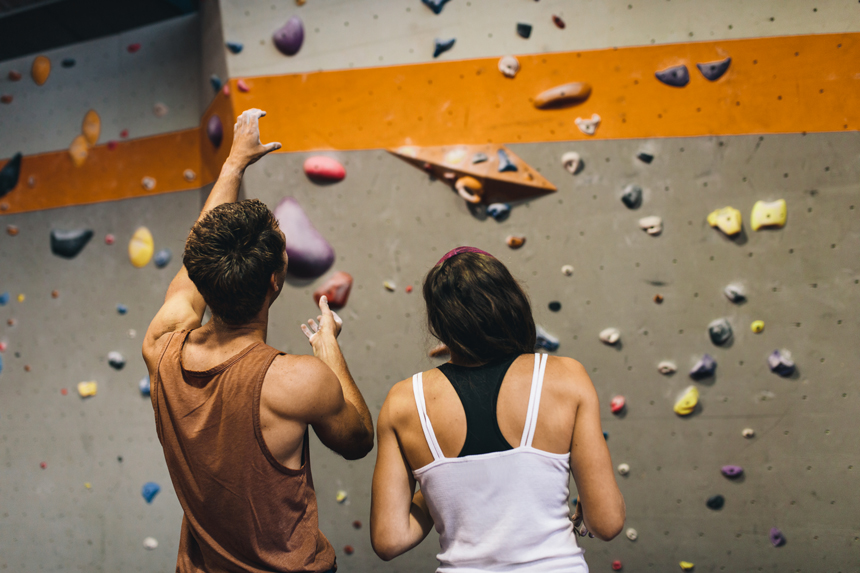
111, 145
469, 189
442, 46
728, 220
559, 23
653, 226
144, 386
215, 131
735, 293
686, 403
41, 70
116, 360
43, 465
55, 294
356, 524
610, 335
121, 308
234, 47
322, 168
768, 214
309, 254
524, 30
14, 75
215, 82
150, 543
123, 134
666, 367
705, 367
714, 70
21, 297
567, 270
68, 244
676, 76
110, 239
686, 565
162, 258
148, 183
336, 290
555, 306
348, 549
79, 150
91, 127
572, 162
515, 242
289, 37
588, 126
632, 196
623, 469
499, 211
68, 63
644, 157
777, 539
408, 289
242, 86
87, 389
632, 534
435, 5
140, 247
658, 298
189, 175
160, 110
780, 362
341, 496
6, 98
563, 96
389, 286
720, 331
149, 491
4, 299
10, 174
757, 326
617, 404
509, 66
545, 340
616, 565
748, 433
715, 502
133, 48
505, 163
732, 471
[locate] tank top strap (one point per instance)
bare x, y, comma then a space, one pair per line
534, 401
429, 435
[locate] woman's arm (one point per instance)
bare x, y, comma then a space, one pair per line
399, 519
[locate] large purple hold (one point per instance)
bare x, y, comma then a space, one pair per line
777, 539
215, 131
289, 37
781, 363
309, 254
732, 471
704, 367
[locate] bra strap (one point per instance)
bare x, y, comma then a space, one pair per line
429, 435
534, 400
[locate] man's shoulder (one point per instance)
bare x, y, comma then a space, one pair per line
295, 382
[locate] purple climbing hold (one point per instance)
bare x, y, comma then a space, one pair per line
780, 362
777, 539
705, 367
505, 163
68, 244
235, 47
288, 38
714, 70
732, 471
676, 76
215, 131
9, 174
149, 491
309, 255
442, 46
435, 5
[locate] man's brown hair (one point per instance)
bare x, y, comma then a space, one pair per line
230, 254
477, 308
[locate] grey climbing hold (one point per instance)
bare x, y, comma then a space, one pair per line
505, 163
545, 340
555, 306
162, 258
499, 211
4, 299
720, 331
121, 308
705, 367
524, 30
716, 502
68, 63
732, 471
777, 539
735, 293
479, 158
676, 76
235, 47
714, 70
216, 82
780, 362
442, 46
632, 196
68, 244
645, 157
144, 386
288, 38
9, 174
435, 5
150, 490
116, 360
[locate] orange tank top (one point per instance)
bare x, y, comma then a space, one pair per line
244, 511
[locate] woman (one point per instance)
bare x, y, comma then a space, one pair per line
491, 437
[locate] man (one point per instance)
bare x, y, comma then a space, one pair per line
231, 412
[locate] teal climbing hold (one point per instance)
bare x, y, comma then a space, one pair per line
235, 47
442, 46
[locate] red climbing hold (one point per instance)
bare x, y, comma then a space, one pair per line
409, 288
226, 90
335, 289
348, 549
617, 404
2, 347
324, 168
356, 524
109, 239
43, 465
14, 75
124, 133
132, 48
55, 294
558, 22
6, 98
111, 145
616, 565
64, 391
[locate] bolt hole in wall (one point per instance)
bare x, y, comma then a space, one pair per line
734, 407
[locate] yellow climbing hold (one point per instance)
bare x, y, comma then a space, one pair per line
687, 402
686, 565
87, 389
41, 70
78, 150
768, 214
21, 297
140, 248
88, 485
757, 326
728, 220
91, 127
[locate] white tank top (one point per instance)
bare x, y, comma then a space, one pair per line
501, 511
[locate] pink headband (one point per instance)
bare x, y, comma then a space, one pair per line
458, 250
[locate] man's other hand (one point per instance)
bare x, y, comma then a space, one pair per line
247, 148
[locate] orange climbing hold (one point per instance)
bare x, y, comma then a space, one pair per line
563, 95
91, 127
41, 70
79, 150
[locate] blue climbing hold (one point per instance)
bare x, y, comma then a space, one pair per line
10, 174
605, 435
68, 63
149, 491
4, 299
479, 158
216, 82
704, 368
143, 385
442, 46
545, 340
121, 308
435, 5
1, 364
235, 47
505, 163
162, 258
499, 211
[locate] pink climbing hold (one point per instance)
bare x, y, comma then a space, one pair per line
132, 48
226, 90
617, 404
43, 465
335, 289
124, 133
242, 86
2, 347
109, 239
616, 565
320, 167
111, 145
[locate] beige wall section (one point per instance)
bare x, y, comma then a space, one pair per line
362, 33
121, 87
212, 52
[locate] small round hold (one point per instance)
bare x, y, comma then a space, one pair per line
555, 306
119, 459
43, 465
356, 524
132, 333
111, 145
408, 288
109, 239
160, 110
55, 294
27, 368
64, 391
242, 86
150, 543
658, 298
6, 98
623, 469
10, 322
12, 230
748, 433
616, 565
116, 360
189, 175
515, 242
572, 162
617, 405
162, 258
132, 48
341, 496
509, 66
123, 134
632, 534
21, 297
609, 335
348, 549
567, 270
715, 502
757, 326
148, 183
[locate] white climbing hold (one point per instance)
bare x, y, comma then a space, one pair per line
567, 270
610, 335
341, 496
148, 183
748, 433
509, 66
160, 110
389, 286
735, 293
623, 469
667, 367
652, 225
632, 534
588, 126
150, 543
572, 162
189, 175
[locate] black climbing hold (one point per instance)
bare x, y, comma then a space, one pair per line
215, 82
479, 158
716, 502
435, 5
235, 47
645, 157
505, 163
68, 244
524, 30
676, 76
499, 211
714, 70
555, 306
119, 459
720, 331
9, 174
704, 368
632, 196
68, 63
443, 46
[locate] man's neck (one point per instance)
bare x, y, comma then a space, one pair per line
220, 333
